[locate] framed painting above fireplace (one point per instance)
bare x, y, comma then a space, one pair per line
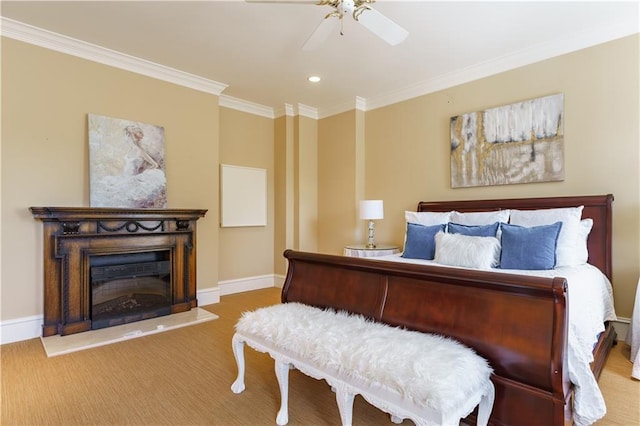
126, 163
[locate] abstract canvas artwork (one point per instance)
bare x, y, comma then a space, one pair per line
126, 163
517, 143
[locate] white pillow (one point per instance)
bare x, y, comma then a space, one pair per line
467, 251
427, 218
480, 218
568, 250
582, 251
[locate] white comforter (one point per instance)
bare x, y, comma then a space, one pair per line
590, 303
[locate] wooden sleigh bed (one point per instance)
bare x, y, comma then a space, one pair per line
518, 323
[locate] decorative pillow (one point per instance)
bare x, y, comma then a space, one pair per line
582, 254
466, 251
568, 251
529, 248
427, 218
420, 243
474, 230
480, 218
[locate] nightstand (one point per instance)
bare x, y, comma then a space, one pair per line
361, 250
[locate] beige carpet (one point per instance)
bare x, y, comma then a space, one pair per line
183, 378
60, 345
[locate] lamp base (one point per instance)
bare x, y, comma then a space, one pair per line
371, 244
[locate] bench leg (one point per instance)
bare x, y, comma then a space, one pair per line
395, 419
486, 405
238, 353
345, 405
282, 373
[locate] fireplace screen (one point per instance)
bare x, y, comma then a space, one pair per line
129, 287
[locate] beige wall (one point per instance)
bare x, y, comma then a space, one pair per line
306, 195
398, 153
283, 193
407, 145
46, 97
247, 140
337, 182
296, 196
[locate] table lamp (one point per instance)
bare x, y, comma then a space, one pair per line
371, 210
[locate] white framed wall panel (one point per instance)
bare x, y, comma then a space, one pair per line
243, 196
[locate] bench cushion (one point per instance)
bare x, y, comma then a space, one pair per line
432, 371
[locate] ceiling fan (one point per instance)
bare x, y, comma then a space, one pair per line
360, 10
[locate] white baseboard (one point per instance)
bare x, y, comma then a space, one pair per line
621, 326
26, 328
208, 296
278, 280
19, 329
212, 295
31, 327
246, 284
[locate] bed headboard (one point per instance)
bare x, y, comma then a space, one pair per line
597, 207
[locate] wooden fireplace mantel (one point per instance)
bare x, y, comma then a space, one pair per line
71, 235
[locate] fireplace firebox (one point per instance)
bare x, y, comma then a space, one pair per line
107, 266
130, 287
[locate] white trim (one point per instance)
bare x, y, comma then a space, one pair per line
246, 106
50, 40
540, 52
307, 111
16, 330
208, 296
360, 103
278, 281
288, 109
246, 284
280, 111
25, 328
621, 326
60, 43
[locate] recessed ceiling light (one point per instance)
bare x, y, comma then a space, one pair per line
314, 79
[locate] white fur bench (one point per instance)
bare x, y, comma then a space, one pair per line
423, 377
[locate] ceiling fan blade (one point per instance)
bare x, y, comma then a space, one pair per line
381, 26
320, 34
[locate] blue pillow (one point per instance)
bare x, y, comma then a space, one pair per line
474, 230
529, 248
421, 243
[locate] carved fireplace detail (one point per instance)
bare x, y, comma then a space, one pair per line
75, 239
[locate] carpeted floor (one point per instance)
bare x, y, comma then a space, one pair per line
183, 377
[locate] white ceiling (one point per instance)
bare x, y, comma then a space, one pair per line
255, 48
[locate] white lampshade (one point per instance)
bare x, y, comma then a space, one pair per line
371, 209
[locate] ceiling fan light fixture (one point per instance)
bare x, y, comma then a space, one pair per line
360, 10
314, 78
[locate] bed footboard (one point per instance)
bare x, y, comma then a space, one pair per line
519, 324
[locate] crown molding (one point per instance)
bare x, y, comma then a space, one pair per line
289, 110
246, 106
279, 111
307, 111
60, 43
50, 40
358, 102
537, 53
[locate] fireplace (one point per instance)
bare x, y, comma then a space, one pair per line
129, 287
105, 267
